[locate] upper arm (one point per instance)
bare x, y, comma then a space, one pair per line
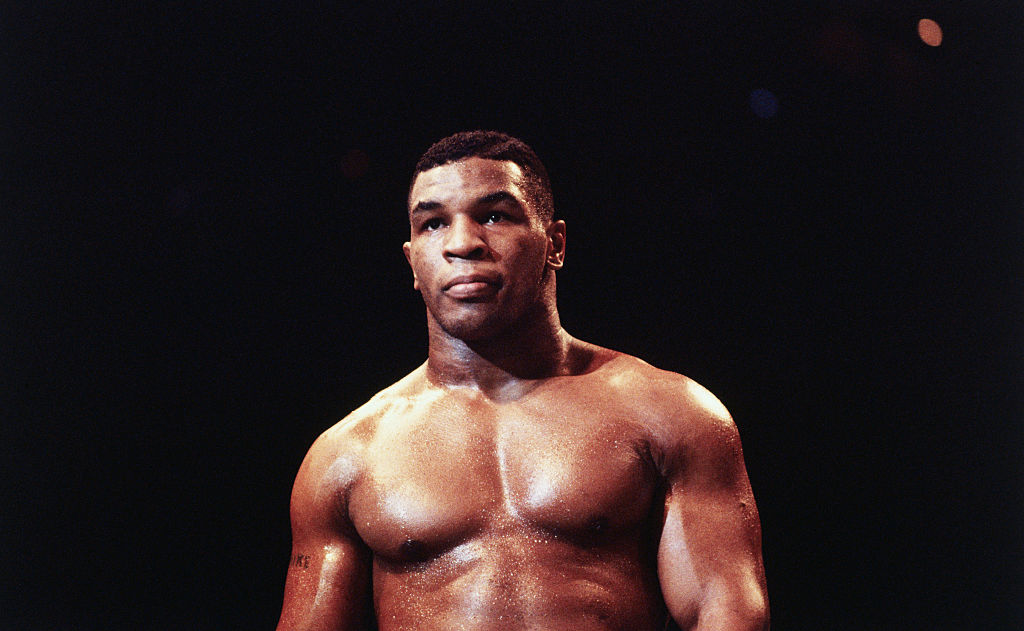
328, 582
709, 555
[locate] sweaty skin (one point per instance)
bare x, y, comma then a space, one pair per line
520, 478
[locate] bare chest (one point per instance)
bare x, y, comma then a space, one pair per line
455, 471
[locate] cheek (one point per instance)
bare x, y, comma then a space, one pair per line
419, 255
531, 256
421, 272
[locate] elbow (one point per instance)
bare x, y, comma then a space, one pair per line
752, 611
735, 618
756, 618
740, 610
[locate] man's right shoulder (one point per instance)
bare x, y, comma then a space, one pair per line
348, 439
337, 458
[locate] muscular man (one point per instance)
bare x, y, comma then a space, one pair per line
520, 478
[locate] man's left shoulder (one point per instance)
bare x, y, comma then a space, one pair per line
664, 392
673, 406
688, 427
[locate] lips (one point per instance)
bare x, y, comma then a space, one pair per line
472, 286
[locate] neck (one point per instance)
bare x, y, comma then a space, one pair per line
505, 365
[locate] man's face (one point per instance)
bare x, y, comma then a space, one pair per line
479, 251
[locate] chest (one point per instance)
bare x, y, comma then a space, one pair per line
458, 471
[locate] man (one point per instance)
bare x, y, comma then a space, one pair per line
520, 478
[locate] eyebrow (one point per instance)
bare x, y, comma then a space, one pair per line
498, 196
490, 198
422, 207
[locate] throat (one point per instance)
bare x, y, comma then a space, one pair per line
503, 368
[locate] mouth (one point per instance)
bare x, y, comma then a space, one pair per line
470, 286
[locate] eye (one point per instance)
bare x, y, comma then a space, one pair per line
494, 217
432, 224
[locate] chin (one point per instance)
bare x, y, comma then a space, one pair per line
474, 321
472, 329
478, 321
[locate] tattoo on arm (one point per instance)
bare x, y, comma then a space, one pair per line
300, 560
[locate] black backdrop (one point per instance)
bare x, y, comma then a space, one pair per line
202, 212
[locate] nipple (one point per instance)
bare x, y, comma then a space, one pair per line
413, 550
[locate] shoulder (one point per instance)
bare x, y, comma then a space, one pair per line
350, 435
336, 459
684, 420
666, 396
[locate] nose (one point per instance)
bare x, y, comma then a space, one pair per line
464, 240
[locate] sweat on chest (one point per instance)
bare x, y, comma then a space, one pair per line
430, 486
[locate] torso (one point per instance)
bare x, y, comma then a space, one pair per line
541, 512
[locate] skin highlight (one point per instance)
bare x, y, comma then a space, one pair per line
520, 478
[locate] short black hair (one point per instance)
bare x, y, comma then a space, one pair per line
493, 145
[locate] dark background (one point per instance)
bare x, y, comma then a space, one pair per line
202, 211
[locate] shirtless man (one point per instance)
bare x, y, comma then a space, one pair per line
520, 478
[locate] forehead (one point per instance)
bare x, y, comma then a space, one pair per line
467, 180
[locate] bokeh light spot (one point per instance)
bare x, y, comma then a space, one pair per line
930, 32
764, 103
355, 164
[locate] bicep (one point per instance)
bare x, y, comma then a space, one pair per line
709, 556
328, 585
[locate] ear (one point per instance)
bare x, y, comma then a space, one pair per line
406, 249
556, 244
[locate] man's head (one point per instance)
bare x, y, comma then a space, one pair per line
493, 145
482, 253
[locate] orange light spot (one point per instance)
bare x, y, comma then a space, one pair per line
930, 32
